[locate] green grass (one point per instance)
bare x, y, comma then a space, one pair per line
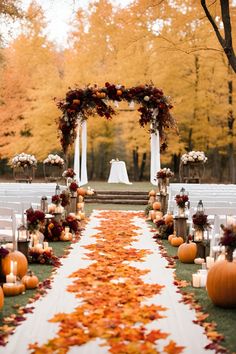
135, 186
89, 207
42, 271
225, 318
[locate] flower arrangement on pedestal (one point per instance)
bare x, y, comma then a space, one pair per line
23, 160
69, 173
193, 156
165, 173
200, 224
163, 177
229, 240
181, 200
54, 160
73, 188
65, 198
35, 219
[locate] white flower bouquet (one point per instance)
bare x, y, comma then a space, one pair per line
193, 156
54, 160
23, 160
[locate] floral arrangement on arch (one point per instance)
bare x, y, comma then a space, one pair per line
193, 156
154, 108
181, 200
54, 160
165, 173
24, 160
35, 218
69, 173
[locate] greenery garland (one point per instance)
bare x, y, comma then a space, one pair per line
81, 103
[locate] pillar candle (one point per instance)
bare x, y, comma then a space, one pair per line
196, 280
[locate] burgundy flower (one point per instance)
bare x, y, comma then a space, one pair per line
73, 187
181, 200
56, 199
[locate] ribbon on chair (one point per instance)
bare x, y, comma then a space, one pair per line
81, 169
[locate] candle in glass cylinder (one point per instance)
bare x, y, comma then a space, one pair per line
196, 280
45, 245
203, 277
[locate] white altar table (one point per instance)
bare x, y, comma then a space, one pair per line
118, 173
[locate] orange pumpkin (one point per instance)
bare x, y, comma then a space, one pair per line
1, 298
152, 193
22, 263
66, 236
187, 252
168, 219
11, 289
119, 92
177, 241
156, 206
81, 191
221, 284
170, 237
30, 280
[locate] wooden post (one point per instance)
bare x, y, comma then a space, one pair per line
180, 226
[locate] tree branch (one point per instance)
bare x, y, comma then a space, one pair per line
214, 25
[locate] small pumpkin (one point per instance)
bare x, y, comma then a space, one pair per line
11, 289
152, 193
30, 280
81, 191
187, 252
156, 205
66, 236
169, 219
177, 241
51, 208
119, 92
221, 284
1, 298
22, 263
170, 237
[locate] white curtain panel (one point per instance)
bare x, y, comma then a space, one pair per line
84, 175
77, 154
155, 157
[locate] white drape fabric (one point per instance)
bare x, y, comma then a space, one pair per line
81, 169
77, 154
179, 317
155, 157
84, 175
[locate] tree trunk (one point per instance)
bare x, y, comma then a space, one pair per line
231, 120
92, 164
135, 164
142, 167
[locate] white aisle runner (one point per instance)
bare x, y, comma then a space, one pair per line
179, 317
